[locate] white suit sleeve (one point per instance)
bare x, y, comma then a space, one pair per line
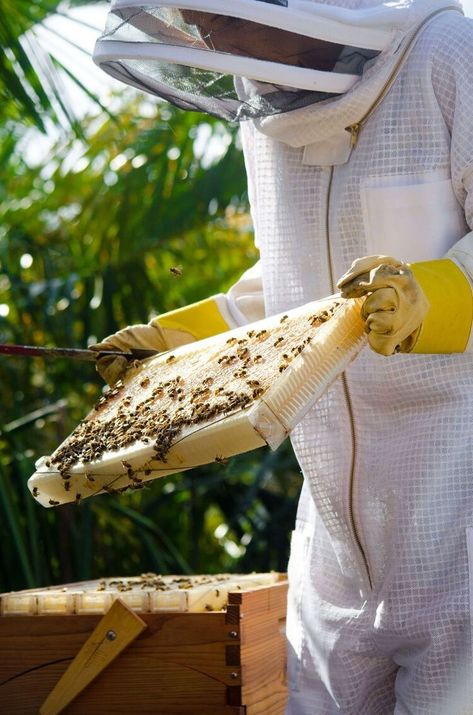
245, 302
245, 299
452, 79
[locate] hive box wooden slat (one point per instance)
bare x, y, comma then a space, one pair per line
214, 663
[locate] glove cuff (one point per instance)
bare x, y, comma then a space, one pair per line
197, 321
447, 326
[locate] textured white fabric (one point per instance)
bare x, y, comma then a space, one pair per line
462, 254
389, 450
245, 299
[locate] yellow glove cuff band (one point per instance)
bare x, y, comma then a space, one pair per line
447, 326
200, 320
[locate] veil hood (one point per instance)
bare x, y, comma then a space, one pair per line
172, 49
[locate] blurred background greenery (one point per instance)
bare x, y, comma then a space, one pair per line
89, 229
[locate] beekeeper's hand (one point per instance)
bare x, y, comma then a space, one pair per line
178, 327
112, 367
422, 307
395, 304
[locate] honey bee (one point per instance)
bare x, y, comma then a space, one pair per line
170, 358
221, 460
239, 373
53, 503
35, 491
67, 486
176, 271
284, 318
78, 498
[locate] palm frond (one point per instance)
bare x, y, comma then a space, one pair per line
31, 73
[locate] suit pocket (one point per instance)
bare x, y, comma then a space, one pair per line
412, 217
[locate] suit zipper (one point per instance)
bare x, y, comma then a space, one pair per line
355, 129
353, 526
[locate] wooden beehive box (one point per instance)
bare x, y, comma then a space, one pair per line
228, 662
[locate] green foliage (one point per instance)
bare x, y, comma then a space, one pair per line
31, 75
87, 240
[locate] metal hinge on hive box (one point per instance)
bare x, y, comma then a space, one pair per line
169, 662
204, 402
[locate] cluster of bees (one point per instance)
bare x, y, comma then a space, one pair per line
156, 413
156, 582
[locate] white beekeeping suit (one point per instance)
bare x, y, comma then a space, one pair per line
380, 613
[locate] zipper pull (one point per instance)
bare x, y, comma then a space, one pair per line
354, 130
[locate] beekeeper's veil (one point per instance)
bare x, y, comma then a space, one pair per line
238, 59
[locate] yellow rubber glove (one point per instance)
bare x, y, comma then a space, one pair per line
178, 327
423, 308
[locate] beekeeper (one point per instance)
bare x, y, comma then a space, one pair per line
357, 126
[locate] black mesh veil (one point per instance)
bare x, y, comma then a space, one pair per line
222, 65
